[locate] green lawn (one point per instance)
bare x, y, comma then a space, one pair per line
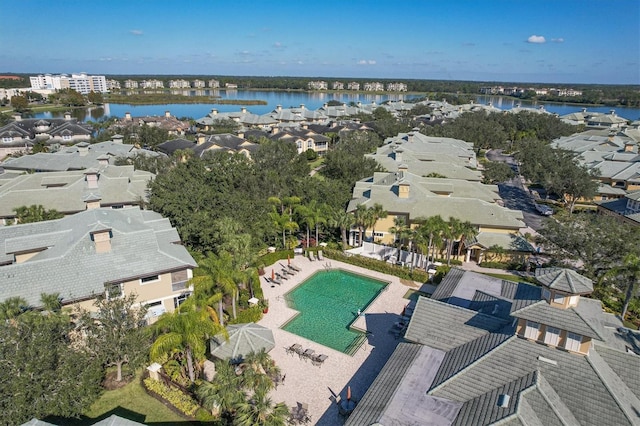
131, 402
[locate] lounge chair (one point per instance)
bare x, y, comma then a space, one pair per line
281, 277
273, 280
294, 268
318, 359
320, 257
312, 256
308, 353
294, 349
286, 272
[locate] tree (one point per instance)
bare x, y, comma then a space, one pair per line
377, 212
220, 271
343, 221
451, 233
597, 242
42, 374
35, 213
19, 103
115, 333
401, 231
260, 410
12, 307
361, 218
186, 330
629, 274
95, 98
433, 227
496, 172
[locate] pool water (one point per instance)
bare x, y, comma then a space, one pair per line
328, 303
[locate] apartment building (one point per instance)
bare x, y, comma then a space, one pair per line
317, 85
81, 83
373, 87
353, 86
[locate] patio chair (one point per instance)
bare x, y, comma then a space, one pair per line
293, 349
286, 272
298, 350
294, 267
320, 256
281, 277
312, 256
318, 359
308, 353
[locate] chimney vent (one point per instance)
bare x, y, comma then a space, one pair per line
503, 400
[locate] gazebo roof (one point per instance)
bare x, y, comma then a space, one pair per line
243, 339
563, 279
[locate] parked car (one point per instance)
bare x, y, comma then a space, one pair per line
544, 210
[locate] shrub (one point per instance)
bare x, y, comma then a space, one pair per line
378, 266
252, 314
183, 402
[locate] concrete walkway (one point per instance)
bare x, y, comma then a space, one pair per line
318, 385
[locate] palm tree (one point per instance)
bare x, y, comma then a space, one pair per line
223, 392
220, 269
629, 271
307, 218
282, 222
401, 231
260, 410
12, 307
344, 221
360, 215
432, 228
467, 232
377, 212
51, 302
187, 329
451, 232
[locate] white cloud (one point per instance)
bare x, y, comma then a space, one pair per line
557, 40
366, 62
536, 39
278, 45
136, 32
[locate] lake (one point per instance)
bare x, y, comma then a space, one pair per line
311, 100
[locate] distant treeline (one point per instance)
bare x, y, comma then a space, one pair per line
624, 95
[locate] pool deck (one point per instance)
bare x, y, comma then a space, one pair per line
315, 385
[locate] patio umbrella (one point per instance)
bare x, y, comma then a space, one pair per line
288, 260
243, 339
348, 393
273, 274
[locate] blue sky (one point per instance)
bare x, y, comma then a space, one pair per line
548, 41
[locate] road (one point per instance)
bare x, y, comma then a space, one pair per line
513, 192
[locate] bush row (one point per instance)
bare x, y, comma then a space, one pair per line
178, 399
378, 266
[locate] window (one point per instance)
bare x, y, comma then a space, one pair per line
113, 291
149, 279
546, 294
573, 342
551, 336
179, 300
558, 298
531, 330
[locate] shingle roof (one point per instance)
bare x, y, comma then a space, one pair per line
563, 279
143, 243
444, 327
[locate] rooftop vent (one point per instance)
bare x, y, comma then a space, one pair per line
503, 400
547, 360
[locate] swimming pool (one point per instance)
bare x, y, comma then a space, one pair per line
328, 303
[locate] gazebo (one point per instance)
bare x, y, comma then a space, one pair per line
243, 339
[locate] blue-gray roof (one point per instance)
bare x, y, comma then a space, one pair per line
143, 243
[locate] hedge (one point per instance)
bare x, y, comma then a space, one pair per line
178, 399
417, 275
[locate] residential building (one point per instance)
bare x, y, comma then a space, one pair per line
317, 85
198, 84
21, 134
211, 143
167, 122
337, 85
485, 351
179, 84
73, 191
97, 252
131, 84
113, 85
214, 84
81, 83
626, 209
299, 115
353, 85
242, 117
373, 87
151, 84
80, 156
303, 138
396, 87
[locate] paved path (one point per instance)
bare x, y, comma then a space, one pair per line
316, 385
